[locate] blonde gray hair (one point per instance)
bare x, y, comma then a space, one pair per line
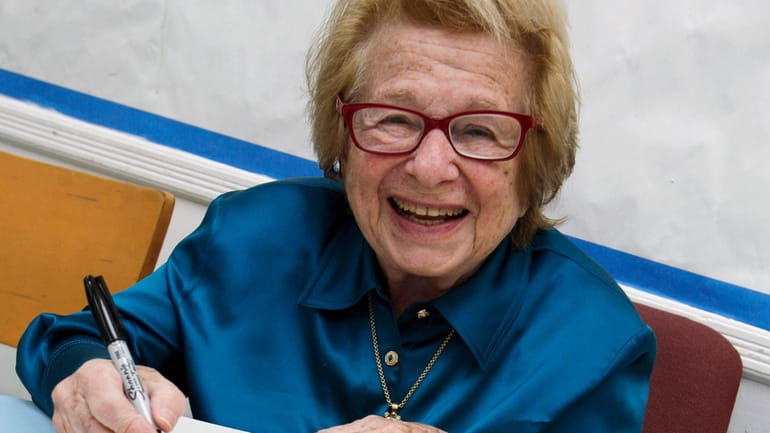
336, 66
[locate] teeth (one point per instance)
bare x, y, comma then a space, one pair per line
424, 211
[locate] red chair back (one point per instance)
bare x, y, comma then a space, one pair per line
695, 379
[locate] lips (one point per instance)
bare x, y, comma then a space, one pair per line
426, 215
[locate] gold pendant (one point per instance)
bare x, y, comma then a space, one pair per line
392, 412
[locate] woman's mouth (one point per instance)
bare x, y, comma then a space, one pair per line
426, 215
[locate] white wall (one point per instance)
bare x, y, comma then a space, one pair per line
675, 122
231, 66
676, 102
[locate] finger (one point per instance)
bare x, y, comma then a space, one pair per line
71, 410
378, 424
76, 422
117, 415
427, 428
107, 408
65, 402
91, 400
60, 423
88, 424
167, 402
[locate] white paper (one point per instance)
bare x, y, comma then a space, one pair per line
189, 425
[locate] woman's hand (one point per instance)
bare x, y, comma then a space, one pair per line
373, 423
91, 400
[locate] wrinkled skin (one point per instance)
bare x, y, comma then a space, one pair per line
91, 400
373, 423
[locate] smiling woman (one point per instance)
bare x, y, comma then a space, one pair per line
443, 129
444, 73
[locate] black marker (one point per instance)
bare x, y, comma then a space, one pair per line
106, 316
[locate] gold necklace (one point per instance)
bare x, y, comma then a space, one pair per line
393, 408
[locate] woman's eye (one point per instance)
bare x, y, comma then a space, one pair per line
478, 132
395, 119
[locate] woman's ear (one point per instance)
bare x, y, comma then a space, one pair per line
339, 165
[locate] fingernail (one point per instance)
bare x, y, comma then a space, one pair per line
167, 418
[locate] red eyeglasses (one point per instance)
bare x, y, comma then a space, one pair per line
390, 130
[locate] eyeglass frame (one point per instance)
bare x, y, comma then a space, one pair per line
347, 110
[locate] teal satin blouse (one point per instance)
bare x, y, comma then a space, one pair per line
260, 316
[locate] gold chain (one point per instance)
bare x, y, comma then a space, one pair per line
392, 411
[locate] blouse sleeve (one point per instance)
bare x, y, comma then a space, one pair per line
617, 403
55, 346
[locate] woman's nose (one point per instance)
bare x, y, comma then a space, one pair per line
434, 161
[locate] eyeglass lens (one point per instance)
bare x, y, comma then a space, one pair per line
389, 130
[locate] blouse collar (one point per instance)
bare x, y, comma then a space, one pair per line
481, 310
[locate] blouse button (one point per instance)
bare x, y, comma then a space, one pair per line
423, 314
391, 358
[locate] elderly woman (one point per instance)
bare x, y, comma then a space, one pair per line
420, 289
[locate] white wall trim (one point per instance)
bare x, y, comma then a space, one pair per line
752, 343
116, 154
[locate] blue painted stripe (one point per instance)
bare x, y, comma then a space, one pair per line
722, 298
728, 300
158, 129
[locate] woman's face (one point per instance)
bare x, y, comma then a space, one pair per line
471, 205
